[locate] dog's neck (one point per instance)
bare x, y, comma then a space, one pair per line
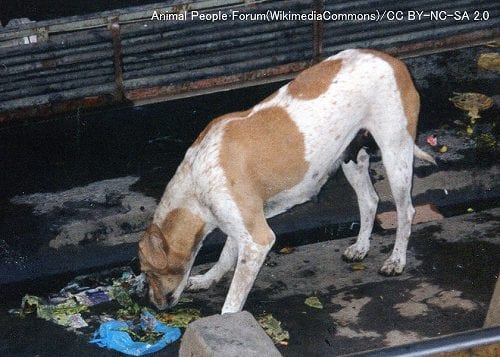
183, 232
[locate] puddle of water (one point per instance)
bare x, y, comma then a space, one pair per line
477, 205
471, 265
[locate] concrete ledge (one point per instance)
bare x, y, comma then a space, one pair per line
493, 315
227, 335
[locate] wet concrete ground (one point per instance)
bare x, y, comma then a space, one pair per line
446, 288
452, 264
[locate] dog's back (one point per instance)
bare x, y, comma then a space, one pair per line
284, 148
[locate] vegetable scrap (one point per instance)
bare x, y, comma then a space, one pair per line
432, 140
180, 317
273, 329
472, 103
489, 61
144, 332
313, 302
130, 309
67, 313
139, 335
286, 250
357, 267
486, 142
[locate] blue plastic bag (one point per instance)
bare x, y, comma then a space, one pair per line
109, 335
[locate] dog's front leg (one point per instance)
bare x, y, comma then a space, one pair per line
225, 263
251, 256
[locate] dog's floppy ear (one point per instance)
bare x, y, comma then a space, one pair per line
152, 247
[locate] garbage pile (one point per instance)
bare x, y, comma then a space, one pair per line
106, 306
107, 303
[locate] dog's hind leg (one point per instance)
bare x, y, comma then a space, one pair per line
225, 263
397, 155
252, 251
359, 177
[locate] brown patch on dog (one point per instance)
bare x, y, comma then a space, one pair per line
409, 95
313, 82
168, 248
262, 155
183, 231
214, 122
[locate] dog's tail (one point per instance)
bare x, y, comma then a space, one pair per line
421, 154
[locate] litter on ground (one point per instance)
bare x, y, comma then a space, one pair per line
472, 103
148, 336
286, 250
67, 313
105, 302
357, 267
273, 329
432, 140
180, 317
313, 302
489, 61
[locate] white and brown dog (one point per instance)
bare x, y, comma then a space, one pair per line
248, 166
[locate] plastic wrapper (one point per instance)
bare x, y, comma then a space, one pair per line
113, 334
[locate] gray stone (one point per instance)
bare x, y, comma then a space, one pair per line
228, 335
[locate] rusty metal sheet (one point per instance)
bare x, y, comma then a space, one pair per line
159, 93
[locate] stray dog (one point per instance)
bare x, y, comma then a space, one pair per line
248, 166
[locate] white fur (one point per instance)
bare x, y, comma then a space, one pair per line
364, 94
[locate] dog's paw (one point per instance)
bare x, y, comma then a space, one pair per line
392, 267
355, 253
198, 282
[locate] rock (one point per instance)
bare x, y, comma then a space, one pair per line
237, 334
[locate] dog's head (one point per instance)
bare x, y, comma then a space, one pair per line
166, 256
165, 270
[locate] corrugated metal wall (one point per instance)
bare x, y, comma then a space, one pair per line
396, 27
124, 56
